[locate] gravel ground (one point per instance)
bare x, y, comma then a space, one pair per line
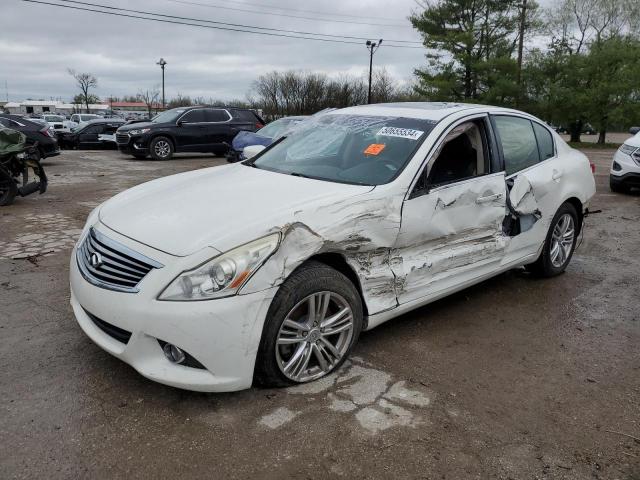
513, 378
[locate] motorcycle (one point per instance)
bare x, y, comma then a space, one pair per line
16, 159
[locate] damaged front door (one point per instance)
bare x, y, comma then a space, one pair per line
451, 229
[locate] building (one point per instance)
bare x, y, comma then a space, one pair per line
38, 107
133, 106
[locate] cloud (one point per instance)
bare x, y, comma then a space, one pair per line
39, 42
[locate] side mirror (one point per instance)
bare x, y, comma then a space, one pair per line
252, 150
180, 123
634, 130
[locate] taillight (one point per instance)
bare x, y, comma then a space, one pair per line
593, 167
259, 125
46, 132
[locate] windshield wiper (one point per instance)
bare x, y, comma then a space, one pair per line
296, 174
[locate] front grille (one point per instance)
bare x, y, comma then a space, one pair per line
114, 332
122, 138
111, 265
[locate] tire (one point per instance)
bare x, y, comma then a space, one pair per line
161, 148
139, 156
550, 263
323, 283
8, 190
617, 187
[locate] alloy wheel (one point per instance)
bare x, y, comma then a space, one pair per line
314, 337
162, 148
562, 240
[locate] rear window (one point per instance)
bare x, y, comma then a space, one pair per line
545, 141
245, 116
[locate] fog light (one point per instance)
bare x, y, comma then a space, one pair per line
616, 166
173, 353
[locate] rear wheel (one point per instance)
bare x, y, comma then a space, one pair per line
312, 325
8, 189
559, 244
161, 148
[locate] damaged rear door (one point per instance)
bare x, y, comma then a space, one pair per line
451, 229
534, 175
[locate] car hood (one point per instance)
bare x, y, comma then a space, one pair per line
137, 125
634, 141
219, 207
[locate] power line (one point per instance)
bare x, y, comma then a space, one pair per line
177, 22
334, 20
333, 14
237, 25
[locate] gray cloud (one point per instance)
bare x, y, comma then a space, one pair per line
39, 42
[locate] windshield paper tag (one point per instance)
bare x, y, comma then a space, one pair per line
400, 132
374, 149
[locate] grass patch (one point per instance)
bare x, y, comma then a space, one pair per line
593, 145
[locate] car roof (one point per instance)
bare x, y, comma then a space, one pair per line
434, 111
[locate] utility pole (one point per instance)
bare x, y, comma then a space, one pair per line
372, 47
522, 29
162, 63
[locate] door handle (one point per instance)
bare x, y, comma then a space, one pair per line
488, 198
556, 175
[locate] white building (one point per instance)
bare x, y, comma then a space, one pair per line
28, 107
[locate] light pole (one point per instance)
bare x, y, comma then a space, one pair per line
162, 63
372, 47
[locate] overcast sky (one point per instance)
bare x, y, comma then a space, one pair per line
38, 43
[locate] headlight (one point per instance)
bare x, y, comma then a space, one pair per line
223, 275
140, 131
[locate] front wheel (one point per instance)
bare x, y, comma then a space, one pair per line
559, 244
312, 325
161, 148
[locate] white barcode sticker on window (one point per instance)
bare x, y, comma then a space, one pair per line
400, 132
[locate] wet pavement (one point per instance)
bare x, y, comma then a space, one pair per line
513, 378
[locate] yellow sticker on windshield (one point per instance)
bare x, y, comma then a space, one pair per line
374, 149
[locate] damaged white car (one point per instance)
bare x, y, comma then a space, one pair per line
265, 272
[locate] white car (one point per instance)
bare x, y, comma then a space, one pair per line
58, 122
625, 168
78, 119
366, 213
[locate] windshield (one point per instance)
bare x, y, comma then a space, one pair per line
86, 118
363, 150
53, 118
168, 116
276, 128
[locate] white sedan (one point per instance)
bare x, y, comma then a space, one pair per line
362, 215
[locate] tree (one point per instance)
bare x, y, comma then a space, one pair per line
468, 40
150, 98
85, 82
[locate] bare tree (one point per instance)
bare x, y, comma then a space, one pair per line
150, 98
85, 82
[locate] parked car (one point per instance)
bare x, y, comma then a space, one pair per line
625, 167
267, 270
189, 129
80, 118
59, 123
93, 134
587, 129
35, 132
265, 136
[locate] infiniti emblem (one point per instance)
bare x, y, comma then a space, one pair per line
96, 260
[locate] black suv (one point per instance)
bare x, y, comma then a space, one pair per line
187, 129
93, 134
35, 132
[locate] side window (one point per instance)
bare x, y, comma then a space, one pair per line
4, 122
545, 141
94, 129
463, 154
519, 145
216, 115
194, 116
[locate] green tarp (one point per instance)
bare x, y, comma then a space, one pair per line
11, 141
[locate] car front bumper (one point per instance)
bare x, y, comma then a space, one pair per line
624, 170
132, 145
221, 334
